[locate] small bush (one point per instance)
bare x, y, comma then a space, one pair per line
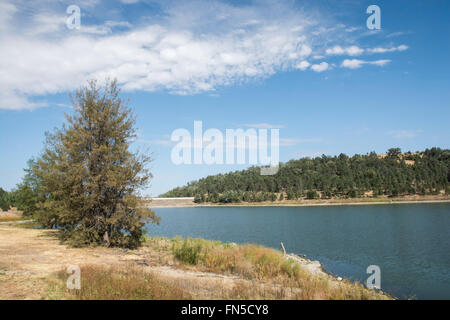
311, 194
188, 252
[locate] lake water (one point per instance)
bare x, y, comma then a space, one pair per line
410, 243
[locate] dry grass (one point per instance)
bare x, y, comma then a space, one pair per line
117, 283
6, 217
131, 283
254, 262
249, 272
9, 218
12, 215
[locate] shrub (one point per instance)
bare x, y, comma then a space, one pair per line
312, 194
188, 251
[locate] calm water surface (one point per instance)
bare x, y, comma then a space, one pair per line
410, 243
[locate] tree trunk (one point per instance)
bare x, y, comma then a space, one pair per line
106, 238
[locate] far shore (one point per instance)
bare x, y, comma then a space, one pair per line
189, 202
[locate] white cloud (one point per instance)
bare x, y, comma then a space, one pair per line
356, 51
308, 154
7, 11
356, 63
124, 24
352, 63
396, 34
404, 134
384, 50
283, 142
352, 29
186, 49
380, 63
180, 53
305, 51
11, 100
338, 50
320, 67
287, 142
303, 65
263, 125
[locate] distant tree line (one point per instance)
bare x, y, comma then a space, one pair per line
392, 174
26, 196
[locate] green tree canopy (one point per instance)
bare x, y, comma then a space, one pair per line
4, 200
426, 172
28, 195
89, 177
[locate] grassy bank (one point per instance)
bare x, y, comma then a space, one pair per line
231, 272
33, 265
302, 278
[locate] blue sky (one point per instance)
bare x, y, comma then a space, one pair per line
312, 69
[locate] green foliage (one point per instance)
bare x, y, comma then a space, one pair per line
87, 176
311, 194
199, 198
187, 251
5, 201
291, 194
28, 196
394, 152
273, 197
352, 193
427, 172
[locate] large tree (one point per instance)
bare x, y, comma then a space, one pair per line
90, 177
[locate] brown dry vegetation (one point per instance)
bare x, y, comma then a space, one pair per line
33, 264
11, 215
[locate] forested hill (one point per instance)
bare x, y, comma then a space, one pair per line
391, 174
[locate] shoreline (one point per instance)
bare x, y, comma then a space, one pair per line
31, 271
302, 204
